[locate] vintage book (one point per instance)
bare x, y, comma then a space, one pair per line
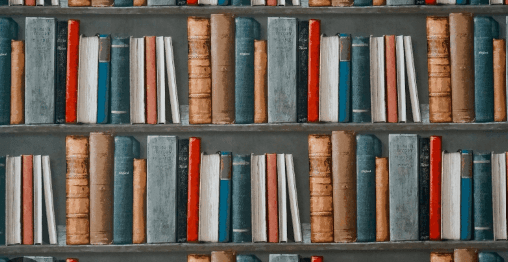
247, 31
139, 201
258, 2
260, 82
27, 200
401, 79
247, 258
313, 3
303, 71
314, 70
223, 256
342, 2
17, 87
240, 2
489, 257
193, 190
241, 199
499, 58
284, 258
125, 3
272, 211
329, 79
181, 2
225, 197
192, 2
435, 188
137, 81
182, 189
3, 197
73, 3
161, 79
360, 85
344, 78
462, 62
103, 87
88, 79
321, 193
441, 257
198, 258
199, 66
37, 199
466, 194
160, 2
102, 3
450, 196
465, 255
411, 79
362, 2
78, 190
209, 198
71, 83
162, 155
377, 79
368, 147
150, 81
344, 185
120, 104
40, 43
171, 74
61, 70
282, 69
424, 187
391, 80
482, 196
378, 2
282, 198
258, 198
126, 150
499, 195
49, 201
496, 2
382, 200
293, 199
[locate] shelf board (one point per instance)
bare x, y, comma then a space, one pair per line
258, 10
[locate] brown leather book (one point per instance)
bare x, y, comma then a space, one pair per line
382, 200
223, 256
200, 73
79, 3
462, 66
378, 2
465, 255
139, 202
77, 191
260, 82
99, 3
320, 2
441, 257
198, 258
344, 185
223, 68
342, 2
438, 59
17, 82
499, 80
139, 3
320, 181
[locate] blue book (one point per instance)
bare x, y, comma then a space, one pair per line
240, 2
247, 30
484, 32
126, 149
462, 2
466, 195
482, 196
120, 81
345, 78
479, 2
360, 82
2, 201
362, 2
489, 257
247, 258
123, 3
4, 259
399, 2
241, 202
368, 147
103, 82
225, 197
8, 31
223, 2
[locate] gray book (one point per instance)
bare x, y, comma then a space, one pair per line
403, 186
282, 69
400, 2
284, 258
40, 39
209, 180
162, 156
160, 2
38, 259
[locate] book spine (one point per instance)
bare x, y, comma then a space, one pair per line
362, 2
282, 198
161, 80
401, 79
271, 2
173, 90
3, 198
411, 76
399, 2
293, 199
247, 258
27, 201
360, 67
465, 254
424, 187
151, 81
391, 80
484, 71
241, 199
271, 198
193, 192
240, 2
48, 195
482, 197
37, 199
435, 188
499, 195
345, 78
329, 79
314, 61
139, 201
17, 217
380, 2
193, 2
382, 200
223, 256
17, 82
30, 2
120, 100
499, 58
61, 71
209, 198
314, 3
225, 197
303, 71
258, 198
88, 80
198, 258
103, 87
139, 3
466, 195
441, 257
479, 2
71, 88
125, 3
260, 82
183, 178
489, 257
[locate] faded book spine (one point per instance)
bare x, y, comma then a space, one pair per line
27, 200
103, 86
17, 82
120, 75
465, 255
61, 71
241, 199
303, 71
124, 3
182, 187
382, 200
223, 256
209, 198
258, 198
193, 192
342, 2
314, 61
260, 82
71, 88
328, 79
139, 201
482, 196
3, 204
313, 3
198, 258
88, 79
360, 85
499, 51
271, 198
441, 257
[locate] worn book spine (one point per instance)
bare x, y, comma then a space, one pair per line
173, 90
489, 257
120, 103
314, 3
17, 216
284, 258
160, 2
465, 255
321, 193
247, 258
391, 80
374, 78
466, 195
241, 199
182, 187
9, 197
499, 195
424, 187
344, 185
61, 71
271, 198
401, 79
345, 78
193, 191
260, 82
411, 76
161, 79
199, 66
150, 81
103, 87
75, 3
125, 3
381, 107
479, 2
293, 200
314, 62
329, 79
342, 2
499, 57
482, 196
360, 85
71, 83
45, 178
139, 201
37, 199
378, 2
362, 2
140, 3
382, 200
17, 83
438, 59
441, 257
435, 188
225, 197
3, 199
137, 80
198, 258
88, 79
223, 256
258, 198
209, 198
450, 196
78, 191
27, 200
303, 72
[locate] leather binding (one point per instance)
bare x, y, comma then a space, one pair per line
260, 82
499, 80
77, 191
140, 2
382, 200
438, 59
360, 85
424, 188
150, 81
102, 3
241, 199
61, 68
441, 257
223, 256
303, 71
345, 78
465, 255
72, 3
314, 61
378, 2
313, 3
71, 90
344, 185
466, 195
391, 79
342, 2
482, 196
199, 66
462, 66
223, 68
198, 258
17, 82
182, 187
193, 190
139, 202
27, 201
104, 77
271, 198
321, 200
102, 148
435, 188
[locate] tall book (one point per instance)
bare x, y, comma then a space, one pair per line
182, 187
303, 71
499, 57
282, 198
293, 199
9, 197
17, 87
247, 258
150, 76
466, 194
161, 78
37, 199
382, 200
450, 196
3, 197
284, 258
329, 79
435, 188
241, 199
260, 82
120, 104
401, 79
399, 2
27, 200
441, 257
344, 78
377, 79
209, 198
424, 187
171, 73
258, 198
71, 84
103, 87
465, 255
499, 195
49, 201
40, 43
198, 258
139, 201
360, 85
193, 190
125, 3
223, 256
391, 80
61, 70
314, 62
489, 257
282, 69
225, 197
137, 80
363, 2
87, 79
17, 216
411, 79
272, 211
9, 31
482, 196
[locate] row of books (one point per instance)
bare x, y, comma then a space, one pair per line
37, 259
465, 255
229, 256
419, 192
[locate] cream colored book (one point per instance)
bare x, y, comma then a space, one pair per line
209, 198
329, 79
88, 79
258, 198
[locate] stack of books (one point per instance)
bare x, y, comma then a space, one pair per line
37, 259
227, 256
463, 255
345, 3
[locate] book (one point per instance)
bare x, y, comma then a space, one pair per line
499, 57
377, 75
160, 2
329, 79
3, 197
120, 75
72, 3
260, 82
137, 81
48, 200
9, 199
223, 256
87, 79
362, 2
435, 188
401, 79
103, 87
344, 78
303, 71
198, 258
37, 200
282, 198
342, 2
378, 2
247, 258
482, 196
27, 200
441, 257
321, 193
284, 258
71, 83
272, 211
193, 190
465, 255
368, 147
161, 78
466, 195
241, 199
125, 3
173, 90
314, 70
282, 44
150, 80
225, 197
17, 204
182, 189
391, 80
411, 76
61, 70
40, 43
400, 2
258, 2
200, 83
382, 200
293, 199
499, 195
489, 257
424, 187
139, 201
258, 198
450, 196
209, 198
17, 87
240, 2
360, 85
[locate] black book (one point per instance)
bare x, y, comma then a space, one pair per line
303, 69
420, 2
424, 181
181, 2
61, 71
182, 188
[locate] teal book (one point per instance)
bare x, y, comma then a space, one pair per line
482, 196
241, 200
225, 197
360, 82
2, 200
124, 3
284, 258
104, 79
247, 258
489, 257
466, 195
345, 78
120, 81
8, 32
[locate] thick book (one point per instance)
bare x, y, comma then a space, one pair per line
360, 85
424, 187
139, 201
103, 87
17, 87
8, 32
161, 80
441, 257
258, 198
282, 198
293, 199
225, 197
120, 103
401, 79
27, 200
87, 79
171, 74
377, 79
61, 70
150, 75
40, 46
209, 198
193, 190
344, 78
450, 196
489, 257
435, 188
499, 57
247, 258
329, 79
282, 43
499, 195
71, 84
241, 199
382, 200
465, 255
303, 72
482, 196
411, 79
198, 258
314, 62
272, 212
182, 189
223, 256
49, 201
260, 82
137, 80
391, 80
284, 258
466, 195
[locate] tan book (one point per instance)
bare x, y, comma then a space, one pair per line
223, 68
223, 256
139, 3
77, 191
438, 59
199, 66
320, 182
382, 200
499, 80
344, 185
465, 255
139, 202
342, 2
378, 2
17, 82
72, 3
462, 66
441, 257
320, 3
198, 258
260, 82
99, 3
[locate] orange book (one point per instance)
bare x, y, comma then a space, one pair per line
151, 81
28, 200
271, 198
391, 80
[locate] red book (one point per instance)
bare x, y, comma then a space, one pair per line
316, 259
271, 198
71, 90
271, 2
193, 193
430, 2
30, 2
391, 79
151, 81
435, 187
27, 200
313, 81
72, 260
192, 2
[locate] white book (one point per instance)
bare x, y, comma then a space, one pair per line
401, 78
446, 2
293, 198
411, 79
171, 73
16, 209
16, 2
87, 79
282, 198
381, 81
329, 79
281, 2
373, 77
41, 2
207, 2
499, 195
48, 196
209, 198
55, 2
161, 80
257, 2
258, 198
450, 196
37, 184
137, 81
9, 179
295, 2
495, 2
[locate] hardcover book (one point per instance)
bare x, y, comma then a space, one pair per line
209, 198
27, 200
3, 204
258, 198
247, 258
499, 195
173, 90
193, 190
87, 79
441, 257
260, 82
344, 78
139, 201
314, 67
284, 258
61, 71
137, 81
293, 200
391, 80
282, 198
489, 257
465, 254
401, 79
120, 99
37, 200
71, 89
466, 195
225, 197
182, 187
241, 199
499, 56
272, 212
303, 71
150, 75
382, 200
329, 79
17, 87
49, 201
450, 196
424, 186
103, 87
360, 85
482, 196
435, 188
